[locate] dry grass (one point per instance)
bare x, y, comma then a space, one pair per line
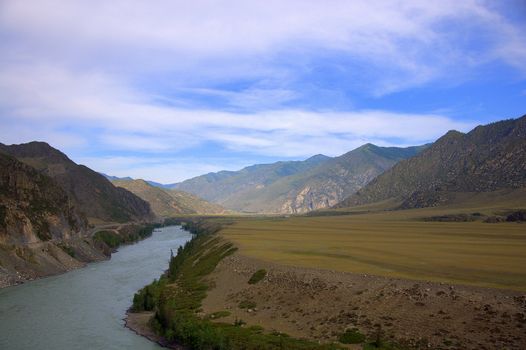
395, 244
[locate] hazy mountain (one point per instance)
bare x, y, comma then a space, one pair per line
169, 202
326, 184
226, 187
93, 194
111, 178
297, 187
488, 158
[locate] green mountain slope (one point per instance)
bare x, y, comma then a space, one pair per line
169, 202
92, 193
297, 187
221, 186
324, 185
488, 158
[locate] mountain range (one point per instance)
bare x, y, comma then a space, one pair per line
488, 158
297, 186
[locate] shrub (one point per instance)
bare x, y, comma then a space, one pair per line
247, 304
257, 276
352, 336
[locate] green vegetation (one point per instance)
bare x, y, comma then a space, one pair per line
128, 234
247, 304
177, 296
351, 336
257, 276
66, 248
111, 238
3, 213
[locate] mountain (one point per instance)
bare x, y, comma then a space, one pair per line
167, 202
228, 187
93, 194
297, 187
488, 158
111, 178
330, 182
42, 231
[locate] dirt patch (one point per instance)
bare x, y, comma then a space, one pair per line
322, 304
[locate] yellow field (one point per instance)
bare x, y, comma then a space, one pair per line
396, 244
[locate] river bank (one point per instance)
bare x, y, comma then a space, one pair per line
84, 309
320, 305
24, 263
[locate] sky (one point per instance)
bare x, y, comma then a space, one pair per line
168, 90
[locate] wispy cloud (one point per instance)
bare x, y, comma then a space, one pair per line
272, 78
122, 119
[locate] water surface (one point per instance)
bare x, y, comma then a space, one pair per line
84, 309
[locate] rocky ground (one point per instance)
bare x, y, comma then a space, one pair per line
321, 304
19, 264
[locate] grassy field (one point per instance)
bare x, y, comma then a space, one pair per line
395, 244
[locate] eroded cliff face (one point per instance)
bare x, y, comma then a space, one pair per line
41, 231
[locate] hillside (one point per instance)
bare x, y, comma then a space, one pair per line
169, 202
92, 193
228, 188
41, 230
297, 187
488, 158
324, 185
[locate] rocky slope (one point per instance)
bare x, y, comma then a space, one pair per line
230, 186
488, 158
41, 230
169, 202
92, 193
297, 187
324, 185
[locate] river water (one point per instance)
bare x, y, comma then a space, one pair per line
84, 309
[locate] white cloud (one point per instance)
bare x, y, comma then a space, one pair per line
120, 119
404, 43
113, 74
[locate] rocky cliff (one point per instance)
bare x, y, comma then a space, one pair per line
41, 230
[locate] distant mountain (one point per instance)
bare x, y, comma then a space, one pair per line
488, 158
111, 178
330, 182
167, 202
127, 178
228, 188
93, 194
297, 187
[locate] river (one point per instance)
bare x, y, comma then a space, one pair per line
84, 309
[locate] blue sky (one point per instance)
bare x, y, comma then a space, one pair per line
167, 90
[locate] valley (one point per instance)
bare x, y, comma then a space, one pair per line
423, 249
